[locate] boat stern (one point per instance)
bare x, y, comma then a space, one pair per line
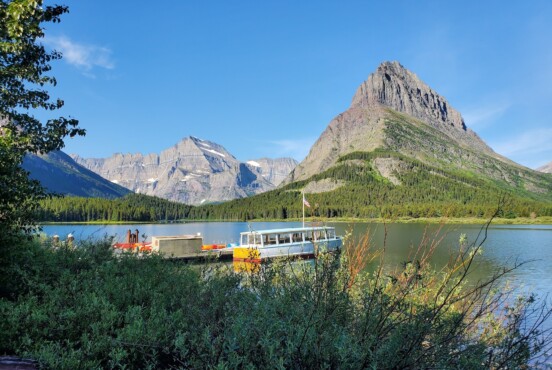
246, 254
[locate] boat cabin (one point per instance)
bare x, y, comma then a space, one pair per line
277, 237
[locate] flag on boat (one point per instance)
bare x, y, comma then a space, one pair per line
305, 202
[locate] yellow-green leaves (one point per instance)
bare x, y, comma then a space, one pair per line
20, 17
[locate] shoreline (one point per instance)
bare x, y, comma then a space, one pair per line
545, 220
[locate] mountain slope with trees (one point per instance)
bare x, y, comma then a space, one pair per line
394, 110
60, 174
357, 189
362, 192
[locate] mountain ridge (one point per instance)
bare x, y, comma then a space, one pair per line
193, 171
59, 173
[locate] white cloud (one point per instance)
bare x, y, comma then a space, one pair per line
530, 143
295, 148
82, 56
481, 117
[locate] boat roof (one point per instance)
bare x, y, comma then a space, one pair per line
288, 230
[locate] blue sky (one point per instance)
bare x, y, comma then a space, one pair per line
264, 78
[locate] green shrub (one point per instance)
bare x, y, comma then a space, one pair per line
84, 308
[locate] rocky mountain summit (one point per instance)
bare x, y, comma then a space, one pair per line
395, 111
395, 87
547, 168
194, 171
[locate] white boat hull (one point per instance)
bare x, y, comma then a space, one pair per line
302, 249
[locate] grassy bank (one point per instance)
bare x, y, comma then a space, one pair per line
546, 220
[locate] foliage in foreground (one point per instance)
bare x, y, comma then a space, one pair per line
24, 78
84, 308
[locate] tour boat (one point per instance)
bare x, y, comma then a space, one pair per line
304, 242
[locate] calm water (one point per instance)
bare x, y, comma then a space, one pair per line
505, 244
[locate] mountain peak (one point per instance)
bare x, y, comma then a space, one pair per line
388, 111
394, 67
210, 150
395, 87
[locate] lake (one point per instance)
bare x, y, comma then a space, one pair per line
505, 244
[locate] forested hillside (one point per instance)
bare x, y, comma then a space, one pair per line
359, 191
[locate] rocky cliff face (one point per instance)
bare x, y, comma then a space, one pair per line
394, 110
547, 168
194, 171
395, 87
273, 170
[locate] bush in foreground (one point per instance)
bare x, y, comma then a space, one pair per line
84, 308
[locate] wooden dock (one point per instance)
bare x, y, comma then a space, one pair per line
202, 256
175, 247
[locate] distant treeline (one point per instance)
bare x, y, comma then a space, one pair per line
425, 192
353, 202
132, 207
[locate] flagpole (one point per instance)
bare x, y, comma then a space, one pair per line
303, 201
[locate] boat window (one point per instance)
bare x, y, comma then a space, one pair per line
257, 239
243, 239
297, 237
284, 239
272, 238
308, 236
320, 235
331, 233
